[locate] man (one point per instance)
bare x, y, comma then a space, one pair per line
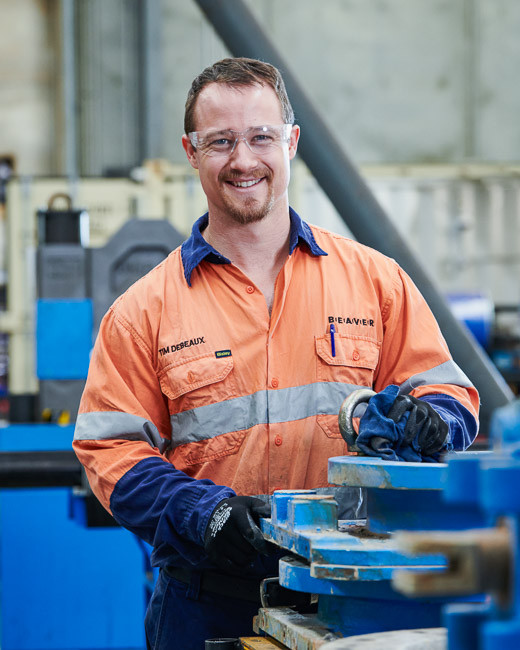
219, 375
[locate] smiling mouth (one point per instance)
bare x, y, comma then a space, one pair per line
245, 183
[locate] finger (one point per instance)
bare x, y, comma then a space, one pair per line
261, 510
254, 536
435, 445
249, 541
410, 429
402, 403
439, 440
428, 434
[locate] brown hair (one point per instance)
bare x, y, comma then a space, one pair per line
238, 72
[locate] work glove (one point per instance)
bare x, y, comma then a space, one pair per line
424, 426
401, 427
232, 538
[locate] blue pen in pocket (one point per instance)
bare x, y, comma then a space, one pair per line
332, 342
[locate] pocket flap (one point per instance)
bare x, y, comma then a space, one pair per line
351, 351
194, 373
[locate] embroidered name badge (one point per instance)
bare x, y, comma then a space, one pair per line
222, 353
180, 346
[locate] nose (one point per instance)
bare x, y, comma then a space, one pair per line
242, 154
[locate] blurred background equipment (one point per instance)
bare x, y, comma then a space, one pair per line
74, 285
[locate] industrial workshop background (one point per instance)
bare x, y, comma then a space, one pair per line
421, 95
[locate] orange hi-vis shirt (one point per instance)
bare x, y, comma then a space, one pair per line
191, 378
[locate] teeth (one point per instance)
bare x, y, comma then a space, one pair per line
246, 183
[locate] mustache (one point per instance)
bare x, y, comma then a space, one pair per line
232, 175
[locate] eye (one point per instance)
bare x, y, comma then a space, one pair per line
262, 138
220, 142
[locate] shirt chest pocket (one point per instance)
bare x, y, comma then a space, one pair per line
198, 381
354, 364
207, 422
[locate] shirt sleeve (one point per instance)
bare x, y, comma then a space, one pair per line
415, 356
463, 426
122, 432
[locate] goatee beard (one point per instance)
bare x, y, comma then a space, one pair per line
250, 210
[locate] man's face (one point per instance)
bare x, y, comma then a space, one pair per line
243, 186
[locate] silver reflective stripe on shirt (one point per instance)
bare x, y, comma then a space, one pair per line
116, 425
274, 407
264, 407
446, 373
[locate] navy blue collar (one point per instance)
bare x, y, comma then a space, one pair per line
196, 248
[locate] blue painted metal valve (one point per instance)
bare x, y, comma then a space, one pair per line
479, 560
370, 576
348, 566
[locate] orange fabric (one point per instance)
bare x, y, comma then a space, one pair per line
156, 356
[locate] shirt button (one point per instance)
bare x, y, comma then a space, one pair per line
191, 377
274, 382
250, 289
355, 355
278, 441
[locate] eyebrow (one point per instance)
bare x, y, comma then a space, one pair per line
218, 132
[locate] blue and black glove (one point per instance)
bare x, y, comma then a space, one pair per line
232, 538
424, 425
401, 427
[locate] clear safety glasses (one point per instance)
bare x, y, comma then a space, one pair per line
259, 139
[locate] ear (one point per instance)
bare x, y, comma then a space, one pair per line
293, 141
190, 151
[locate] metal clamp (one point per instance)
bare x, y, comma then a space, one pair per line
273, 594
346, 413
264, 591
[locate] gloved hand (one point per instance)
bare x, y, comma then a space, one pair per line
401, 427
424, 424
232, 538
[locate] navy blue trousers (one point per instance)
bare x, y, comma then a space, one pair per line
182, 617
